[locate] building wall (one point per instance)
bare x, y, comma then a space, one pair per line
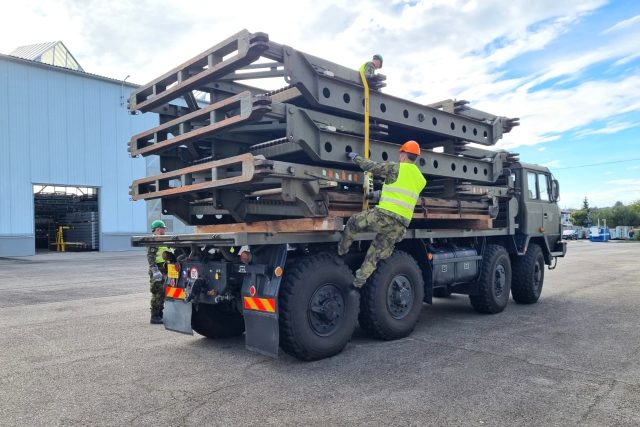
64, 128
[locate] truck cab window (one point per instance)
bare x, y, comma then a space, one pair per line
543, 185
532, 190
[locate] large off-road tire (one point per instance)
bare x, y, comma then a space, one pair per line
318, 310
441, 292
494, 282
391, 300
216, 321
528, 275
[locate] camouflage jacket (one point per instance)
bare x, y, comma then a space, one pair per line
387, 170
151, 258
369, 69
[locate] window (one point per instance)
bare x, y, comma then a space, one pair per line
531, 185
544, 187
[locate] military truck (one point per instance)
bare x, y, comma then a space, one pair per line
262, 174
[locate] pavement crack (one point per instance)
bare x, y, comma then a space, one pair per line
596, 401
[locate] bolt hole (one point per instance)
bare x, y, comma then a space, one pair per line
328, 147
421, 117
423, 162
485, 134
346, 98
385, 156
326, 92
464, 129
453, 166
383, 108
486, 172
453, 126
348, 149
464, 168
475, 131
475, 171
405, 113
435, 164
434, 121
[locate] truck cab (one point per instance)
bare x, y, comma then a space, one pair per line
539, 216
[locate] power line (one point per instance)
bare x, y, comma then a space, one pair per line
597, 164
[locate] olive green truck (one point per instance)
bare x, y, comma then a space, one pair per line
261, 171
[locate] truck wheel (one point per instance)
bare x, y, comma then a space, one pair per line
443, 292
528, 276
391, 300
494, 282
216, 321
318, 311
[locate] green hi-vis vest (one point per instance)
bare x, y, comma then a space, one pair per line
159, 252
400, 196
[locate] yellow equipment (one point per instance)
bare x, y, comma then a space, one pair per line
60, 244
367, 176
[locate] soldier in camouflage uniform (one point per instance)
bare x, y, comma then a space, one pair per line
157, 272
391, 217
369, 68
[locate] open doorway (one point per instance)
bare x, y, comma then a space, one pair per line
66, 218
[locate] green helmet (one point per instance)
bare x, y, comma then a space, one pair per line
378, 57
158, 223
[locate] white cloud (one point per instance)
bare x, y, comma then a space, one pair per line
623, 24
552, 164
607, 129
441, 49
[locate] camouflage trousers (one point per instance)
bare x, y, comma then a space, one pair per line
389, 232
157, 296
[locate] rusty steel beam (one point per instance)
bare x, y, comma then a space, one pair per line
236, 170
199, 124
209, 65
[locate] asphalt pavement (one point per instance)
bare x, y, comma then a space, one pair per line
76, 348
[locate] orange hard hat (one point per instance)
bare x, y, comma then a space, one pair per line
411, 147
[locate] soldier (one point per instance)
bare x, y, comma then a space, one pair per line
156, 272
369, 68
391, 217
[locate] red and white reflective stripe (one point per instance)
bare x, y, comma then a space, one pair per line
260, 304
177, 293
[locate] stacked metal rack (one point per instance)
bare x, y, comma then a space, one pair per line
241, 153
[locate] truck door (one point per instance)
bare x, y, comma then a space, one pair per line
534, 206
550, 210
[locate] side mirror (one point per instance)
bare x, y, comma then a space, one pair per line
555, 190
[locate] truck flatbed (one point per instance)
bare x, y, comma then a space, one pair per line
265, 233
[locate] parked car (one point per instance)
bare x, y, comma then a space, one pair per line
570, 234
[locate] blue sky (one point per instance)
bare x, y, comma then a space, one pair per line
611, 144
569, 69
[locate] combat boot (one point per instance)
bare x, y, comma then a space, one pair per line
156, 319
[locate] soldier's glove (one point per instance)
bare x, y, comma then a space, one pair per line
352, 155
374, 196
156, 274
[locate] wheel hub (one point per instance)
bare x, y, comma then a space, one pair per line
399, 297
326, 309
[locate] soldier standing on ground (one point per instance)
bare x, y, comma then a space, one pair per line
390, 218
156, 272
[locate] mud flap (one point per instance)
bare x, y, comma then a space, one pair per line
177, 316
262, 333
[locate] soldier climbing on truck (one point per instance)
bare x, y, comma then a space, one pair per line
263, 177
391, 217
